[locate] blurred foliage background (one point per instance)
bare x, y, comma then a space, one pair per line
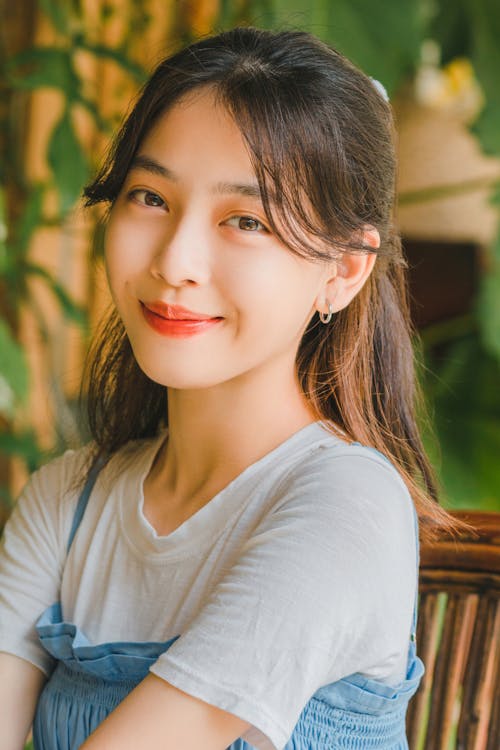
68, 71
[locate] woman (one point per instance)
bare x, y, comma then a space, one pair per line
240, 568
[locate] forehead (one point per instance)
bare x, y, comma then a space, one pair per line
198, 130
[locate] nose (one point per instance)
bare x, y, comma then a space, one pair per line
182, 256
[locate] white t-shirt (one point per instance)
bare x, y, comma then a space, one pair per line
298, 573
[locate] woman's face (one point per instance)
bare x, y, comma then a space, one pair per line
188, 230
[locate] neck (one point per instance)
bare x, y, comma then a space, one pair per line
215, 433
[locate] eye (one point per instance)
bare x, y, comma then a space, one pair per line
147, 198
247, 224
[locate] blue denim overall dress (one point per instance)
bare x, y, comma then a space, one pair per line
89, 681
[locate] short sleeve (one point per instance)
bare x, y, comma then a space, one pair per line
323, 588
32, 553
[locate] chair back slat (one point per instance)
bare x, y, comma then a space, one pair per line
483, 665
450, 667
428, 633
457, 704
494, 728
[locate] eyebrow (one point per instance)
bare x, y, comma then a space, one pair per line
251, 190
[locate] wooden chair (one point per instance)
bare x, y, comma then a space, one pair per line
457, 704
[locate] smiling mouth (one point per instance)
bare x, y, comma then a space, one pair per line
178, 327
176, 312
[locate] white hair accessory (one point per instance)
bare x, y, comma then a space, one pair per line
380, 88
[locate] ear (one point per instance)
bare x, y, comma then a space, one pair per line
350, 272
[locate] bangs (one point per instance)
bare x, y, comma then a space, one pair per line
300, 155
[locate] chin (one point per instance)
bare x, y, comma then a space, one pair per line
189, 378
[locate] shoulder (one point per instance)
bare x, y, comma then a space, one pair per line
62, 478
331, 465
43, 510
45, 506
58, 476
52, 489
348, 487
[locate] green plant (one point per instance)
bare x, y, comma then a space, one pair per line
53, 66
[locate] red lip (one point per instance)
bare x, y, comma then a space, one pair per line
176, 312
180, 323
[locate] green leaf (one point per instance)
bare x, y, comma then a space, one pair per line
68, 162
489, 303
71, 309
18, 246
116, 55
107, 11
383, 41
487, 127
40, 67
484, 18
236, 14
7, 501
59, 13
103, 124
30, 219
4, 260
24, 444
467, 419
495, 194
450, 26
13, 373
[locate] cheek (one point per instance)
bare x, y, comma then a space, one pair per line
272, 292
111, 255
121, 252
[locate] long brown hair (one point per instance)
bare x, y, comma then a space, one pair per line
321, 139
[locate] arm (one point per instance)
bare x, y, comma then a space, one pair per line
20, 686
32, 549
157, 714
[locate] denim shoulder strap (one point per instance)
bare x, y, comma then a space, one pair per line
413, 635
84, 497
